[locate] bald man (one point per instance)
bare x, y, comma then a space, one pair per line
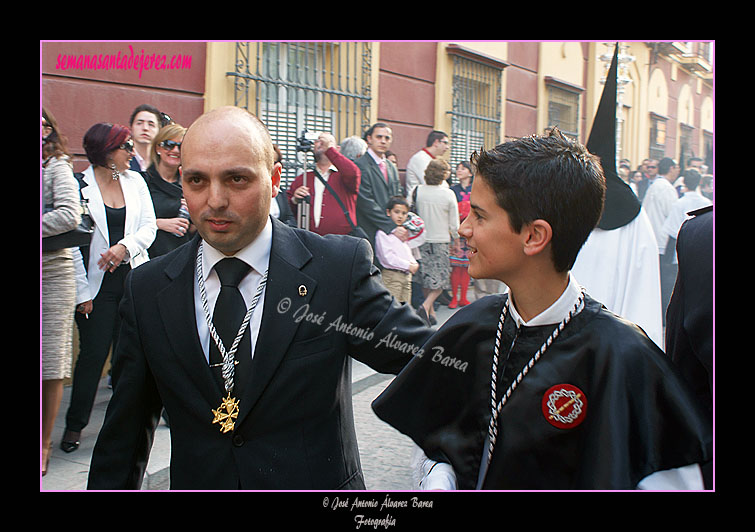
262, 400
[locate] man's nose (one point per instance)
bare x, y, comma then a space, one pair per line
217, 196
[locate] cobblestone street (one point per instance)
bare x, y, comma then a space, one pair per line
384, 451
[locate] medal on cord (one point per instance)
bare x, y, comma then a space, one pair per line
228, 410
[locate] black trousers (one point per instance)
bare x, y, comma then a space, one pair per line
97, 334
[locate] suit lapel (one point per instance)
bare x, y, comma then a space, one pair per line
287, 256
176, 304
131, 198
376, 173
91, 193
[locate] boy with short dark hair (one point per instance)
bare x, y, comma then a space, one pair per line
543, 387
395, 255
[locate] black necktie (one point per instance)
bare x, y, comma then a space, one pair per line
229, 312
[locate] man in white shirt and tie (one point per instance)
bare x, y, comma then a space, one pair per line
378, 184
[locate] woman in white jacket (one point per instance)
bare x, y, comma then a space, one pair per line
125, 226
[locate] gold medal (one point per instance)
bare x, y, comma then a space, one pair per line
226, 413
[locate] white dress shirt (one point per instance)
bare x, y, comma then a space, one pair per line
319, 192
143, 163
690, 201
257, 255
379, 159
415, 170
659, 198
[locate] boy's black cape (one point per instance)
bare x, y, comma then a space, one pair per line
637, 414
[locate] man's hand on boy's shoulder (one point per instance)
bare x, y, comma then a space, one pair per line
402, 233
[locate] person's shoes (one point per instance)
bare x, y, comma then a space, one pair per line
70, 441
433, 321
423, 314
46, 460
463, 303
453, 304
444, 298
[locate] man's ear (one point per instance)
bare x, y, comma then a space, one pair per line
276, 178
538, 235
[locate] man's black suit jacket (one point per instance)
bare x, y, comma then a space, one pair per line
689, 317
374, 193
295, 428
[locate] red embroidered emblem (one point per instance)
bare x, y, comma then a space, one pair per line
564, 406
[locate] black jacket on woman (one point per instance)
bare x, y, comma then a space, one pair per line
166, 198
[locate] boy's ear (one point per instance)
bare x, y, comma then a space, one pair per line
538, 235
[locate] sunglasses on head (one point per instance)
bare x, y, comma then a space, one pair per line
170, 144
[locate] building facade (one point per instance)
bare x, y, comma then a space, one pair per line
480, 93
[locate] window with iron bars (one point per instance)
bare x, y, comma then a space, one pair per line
563, 111
476, 109
320, 87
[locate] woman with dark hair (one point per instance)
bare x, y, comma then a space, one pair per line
164, 184
62, 214
121, 207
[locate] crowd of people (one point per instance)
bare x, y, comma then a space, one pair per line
668, 193
355, 187
134, 192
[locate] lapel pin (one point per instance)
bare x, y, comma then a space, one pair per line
302, 290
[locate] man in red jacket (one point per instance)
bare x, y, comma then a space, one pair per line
342, 175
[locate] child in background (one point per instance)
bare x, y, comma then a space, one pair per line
459, 259
396, 255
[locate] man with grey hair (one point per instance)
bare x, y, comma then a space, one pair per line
353, 147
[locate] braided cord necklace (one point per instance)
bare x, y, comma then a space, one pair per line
495, 405
229, 408
228, 355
